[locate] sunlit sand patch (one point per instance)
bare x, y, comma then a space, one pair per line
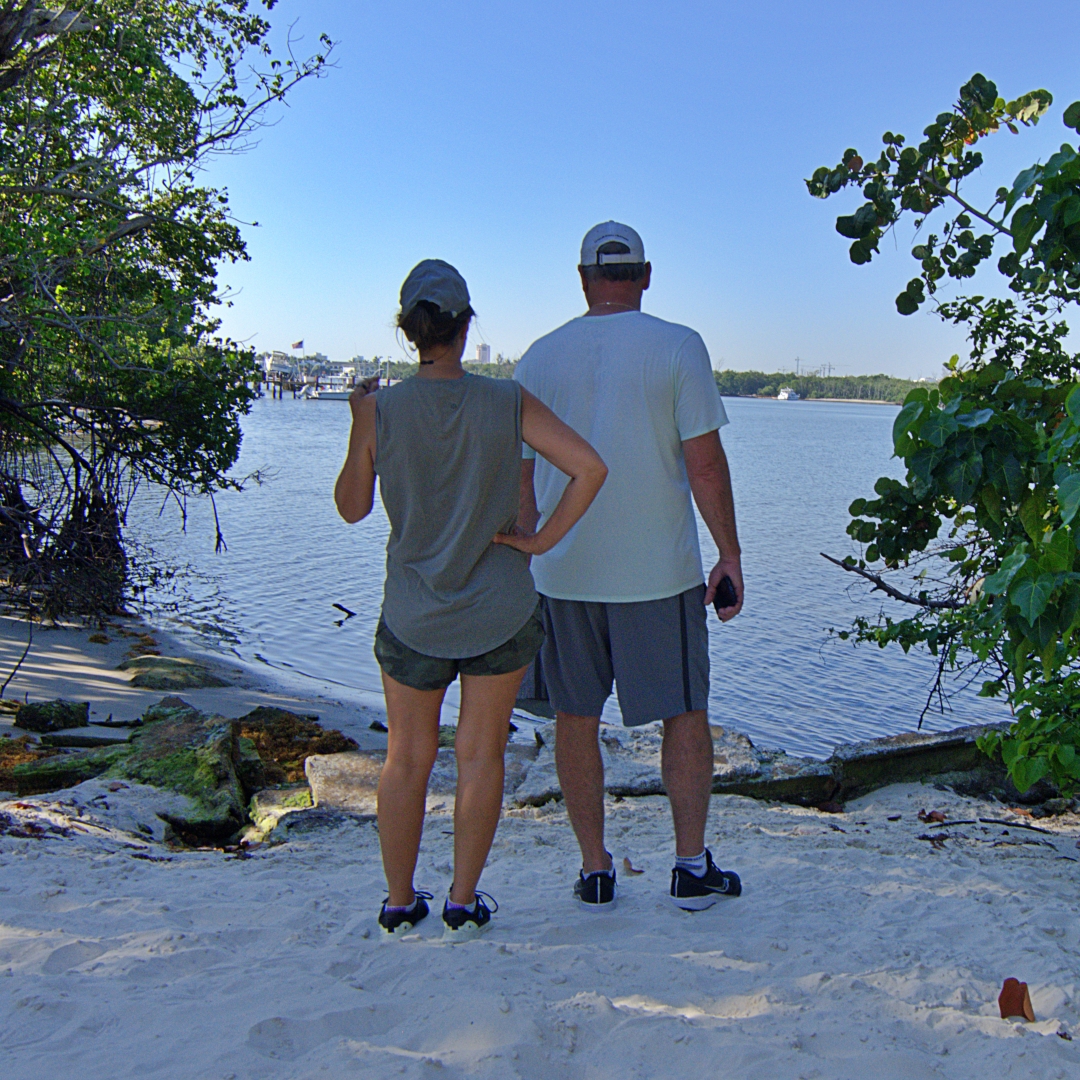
718, 961
736, 1007
359, 1046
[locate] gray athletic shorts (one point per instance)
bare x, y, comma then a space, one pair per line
655, 651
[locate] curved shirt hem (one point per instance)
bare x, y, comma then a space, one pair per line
559, 594
404, 638
694, 433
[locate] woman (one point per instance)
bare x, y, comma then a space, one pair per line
459, 598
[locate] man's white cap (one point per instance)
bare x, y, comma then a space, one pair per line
611, 231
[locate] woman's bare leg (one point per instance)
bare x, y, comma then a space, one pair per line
412, 718
483, 727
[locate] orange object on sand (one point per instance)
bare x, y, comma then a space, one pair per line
1015, 1001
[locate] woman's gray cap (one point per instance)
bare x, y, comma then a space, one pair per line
438, 283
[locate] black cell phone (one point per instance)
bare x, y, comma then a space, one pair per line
726, 596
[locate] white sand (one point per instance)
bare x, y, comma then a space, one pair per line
861, 953
857, 950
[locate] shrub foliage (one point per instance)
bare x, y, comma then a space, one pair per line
986, 516
111, 369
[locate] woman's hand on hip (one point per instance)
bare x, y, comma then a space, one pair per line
529, 543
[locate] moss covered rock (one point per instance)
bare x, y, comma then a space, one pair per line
196, 755
18, 751
41, 775
216, 762
169, 673
249, 766
58, 715
268, 807
178, 749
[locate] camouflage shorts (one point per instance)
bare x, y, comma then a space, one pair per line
421, 672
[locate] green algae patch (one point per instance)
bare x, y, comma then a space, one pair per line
44, 774
185, 751
268, 807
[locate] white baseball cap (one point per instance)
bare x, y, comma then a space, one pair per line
608, 232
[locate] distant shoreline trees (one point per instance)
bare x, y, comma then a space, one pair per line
846, 387
754, 383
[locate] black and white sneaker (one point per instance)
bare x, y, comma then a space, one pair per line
693, 893
463, 924
597, 891
397, 923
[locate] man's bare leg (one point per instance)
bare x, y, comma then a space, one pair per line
687, 769
581, 777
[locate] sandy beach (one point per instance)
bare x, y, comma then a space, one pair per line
65, 663
866, 943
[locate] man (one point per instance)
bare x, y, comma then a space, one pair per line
623, 594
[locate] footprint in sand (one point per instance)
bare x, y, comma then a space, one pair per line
71, 956
287, 1039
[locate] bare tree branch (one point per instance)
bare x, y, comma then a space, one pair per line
880, 583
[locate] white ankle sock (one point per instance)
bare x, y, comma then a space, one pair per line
696, 865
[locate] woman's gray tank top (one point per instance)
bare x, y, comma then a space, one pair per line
448, 456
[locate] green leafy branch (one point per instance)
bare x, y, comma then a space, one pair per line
991, 495
1039, 212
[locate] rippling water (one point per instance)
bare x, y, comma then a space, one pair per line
776, 675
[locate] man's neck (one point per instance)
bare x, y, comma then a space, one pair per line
612, 307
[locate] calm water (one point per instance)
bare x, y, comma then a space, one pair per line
776, 675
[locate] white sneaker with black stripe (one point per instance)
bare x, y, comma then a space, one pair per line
693, 893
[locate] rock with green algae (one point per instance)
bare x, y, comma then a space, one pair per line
170, 673
58, 715
269, 806
249, 765
178, 749
186, 751
52, 773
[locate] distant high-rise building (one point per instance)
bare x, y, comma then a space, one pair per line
483, 354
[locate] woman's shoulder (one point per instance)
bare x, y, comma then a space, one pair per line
498, 389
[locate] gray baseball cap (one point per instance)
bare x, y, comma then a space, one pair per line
438, 283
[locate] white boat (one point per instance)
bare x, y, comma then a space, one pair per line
787, 394
333, 388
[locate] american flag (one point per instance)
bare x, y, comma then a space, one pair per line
297, 345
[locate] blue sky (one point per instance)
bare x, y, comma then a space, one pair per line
493, 135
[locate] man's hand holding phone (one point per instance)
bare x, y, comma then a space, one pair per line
725, 588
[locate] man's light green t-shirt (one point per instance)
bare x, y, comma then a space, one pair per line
635, 387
